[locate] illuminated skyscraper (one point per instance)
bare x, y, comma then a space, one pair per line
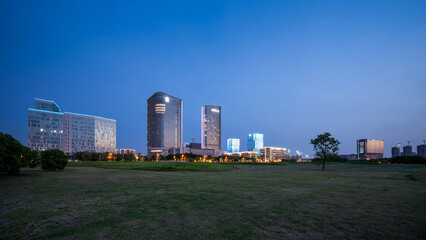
369, 149
211, 127
164, 123
233, 145
50, 128
255, 142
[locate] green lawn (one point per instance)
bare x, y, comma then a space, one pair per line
293, 201
156, 166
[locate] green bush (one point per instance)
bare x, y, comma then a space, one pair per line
11, 154
53, 160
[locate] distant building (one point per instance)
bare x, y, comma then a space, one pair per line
255, 142
396, 151
128, 151
211, 127
50, 128
350, 157
195, 148
245, 154
272, 154
421, 150
407, 150
164, 123
369, 149
233, 145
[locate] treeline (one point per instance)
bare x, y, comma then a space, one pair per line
94, 156
399, 159
14, 155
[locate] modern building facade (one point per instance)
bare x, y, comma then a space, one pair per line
369, 149
127, 151
407, 150
195, 148
211, 127
255, 142
421, 150
50, 128
245, 154
396, 151
232, 145
272, 154
164, 123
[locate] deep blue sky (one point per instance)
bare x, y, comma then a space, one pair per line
288, 69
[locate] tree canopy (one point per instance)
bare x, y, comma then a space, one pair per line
325, 146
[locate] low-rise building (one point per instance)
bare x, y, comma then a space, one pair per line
272, 154
127, 151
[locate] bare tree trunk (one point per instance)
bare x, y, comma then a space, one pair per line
323, 163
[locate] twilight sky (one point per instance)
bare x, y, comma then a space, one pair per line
288, 69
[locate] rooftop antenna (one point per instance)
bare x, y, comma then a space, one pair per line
424, 142
409, 142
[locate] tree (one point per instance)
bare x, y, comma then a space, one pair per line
11, 154
325, 146
53, 159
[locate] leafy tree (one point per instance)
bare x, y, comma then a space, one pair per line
11, 154
53, 159
325, 146
33, 158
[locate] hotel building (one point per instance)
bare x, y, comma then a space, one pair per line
164, 123
50, 128
211, 127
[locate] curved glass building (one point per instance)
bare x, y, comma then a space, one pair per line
164, 123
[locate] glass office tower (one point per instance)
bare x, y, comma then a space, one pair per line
164, 123
88, 133
49, 128
369, 149
211, 127
255, 142
45, 125
233, 145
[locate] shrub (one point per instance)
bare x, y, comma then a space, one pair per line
53, 160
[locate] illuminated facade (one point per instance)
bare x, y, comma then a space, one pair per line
369, 149
127, 151
246, 154
233, 145
211, 127
49, 128
45, 126
272, 154
164, 123
255, 142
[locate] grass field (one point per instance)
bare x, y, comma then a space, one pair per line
156, 166
252, 202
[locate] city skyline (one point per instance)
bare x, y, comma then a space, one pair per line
288, 70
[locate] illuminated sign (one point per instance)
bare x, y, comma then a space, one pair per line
215, 110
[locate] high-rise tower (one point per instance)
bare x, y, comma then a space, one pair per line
211, 127
164, 123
